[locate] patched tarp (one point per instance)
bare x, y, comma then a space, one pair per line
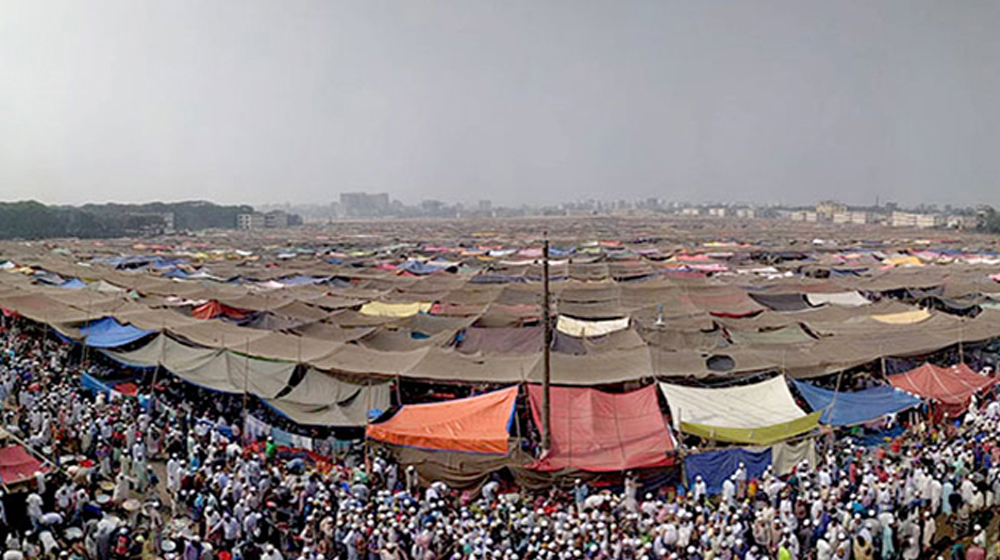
477, 424
600, 432
586, 328
16, 465
952, 386
761, 413
109, 333
321, 399
714, 467
842, 408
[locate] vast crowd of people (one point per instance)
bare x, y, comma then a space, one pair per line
133, 479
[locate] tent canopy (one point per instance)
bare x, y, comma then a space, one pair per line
848, 409
477, 424
761, 413
109, 333
16, 465
598, 432
952, 386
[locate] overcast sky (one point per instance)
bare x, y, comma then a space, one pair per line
703, 100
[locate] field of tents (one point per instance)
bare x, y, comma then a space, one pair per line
658, 348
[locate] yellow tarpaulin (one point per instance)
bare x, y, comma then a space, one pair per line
904, 318
384, 309
757, 436
904, 260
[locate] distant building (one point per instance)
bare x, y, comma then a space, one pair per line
910, 219
746, 213
827, 209
719, 212
854, 218
690, 211
364, 205
250, 221
807, 216
275, 219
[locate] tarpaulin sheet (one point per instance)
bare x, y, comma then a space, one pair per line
321, 399
213, 309
764, 435
743, 406
476, 424
842, 408
582, 328
781, 302
952, 386
904, 318
843, 299
785, 457
386, 309
109, 333
16, 465
714, 467
598, 432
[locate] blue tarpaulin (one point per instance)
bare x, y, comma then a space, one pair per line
73, 284
848, 409
109, 333
716, 466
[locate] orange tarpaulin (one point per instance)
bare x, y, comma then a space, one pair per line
952, 386
213, 309
477, 424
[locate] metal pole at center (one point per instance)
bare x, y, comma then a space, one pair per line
546, 349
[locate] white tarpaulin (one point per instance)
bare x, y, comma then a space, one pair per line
584, 328
843, 299
747, 406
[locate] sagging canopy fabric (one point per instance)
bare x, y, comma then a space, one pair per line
586, 328
215, 369
761, 413
842, 299
16, 465
477, 424
841, 408
782, 302
953, 387
602, 432
321, 399
714, 467
109, 333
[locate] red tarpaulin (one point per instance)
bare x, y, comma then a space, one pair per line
16, 465
477, 424
602, 432
952, 386
213, 309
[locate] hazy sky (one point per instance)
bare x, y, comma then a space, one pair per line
705, 100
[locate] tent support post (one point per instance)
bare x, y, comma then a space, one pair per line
546, 349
